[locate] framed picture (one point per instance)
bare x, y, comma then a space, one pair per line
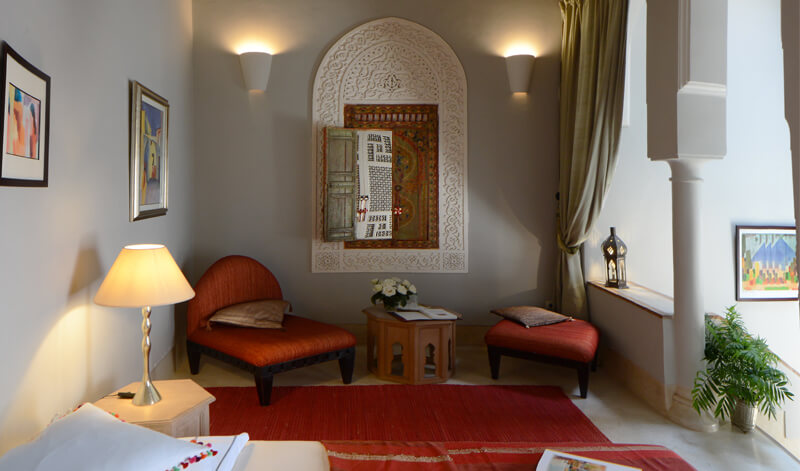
149, 144
766, 263
26, 121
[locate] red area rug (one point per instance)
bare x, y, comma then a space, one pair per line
404, 413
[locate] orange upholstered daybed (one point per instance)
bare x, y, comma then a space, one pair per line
237, 279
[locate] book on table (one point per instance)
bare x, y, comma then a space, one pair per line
559, 461
423, 313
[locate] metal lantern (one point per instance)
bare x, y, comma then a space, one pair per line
614, 251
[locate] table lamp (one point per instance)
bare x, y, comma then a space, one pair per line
143, 276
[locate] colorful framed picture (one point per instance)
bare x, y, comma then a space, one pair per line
26, 121
149, 145
766, 263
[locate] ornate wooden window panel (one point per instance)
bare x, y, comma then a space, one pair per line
397, 64
415, 174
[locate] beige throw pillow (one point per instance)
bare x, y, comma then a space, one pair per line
264, 314
531, 316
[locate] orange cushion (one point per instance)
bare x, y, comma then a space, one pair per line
576, 340
299, 338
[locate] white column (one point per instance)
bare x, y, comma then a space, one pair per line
686, 95
688, 321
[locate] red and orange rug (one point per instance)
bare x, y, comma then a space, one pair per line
436, 413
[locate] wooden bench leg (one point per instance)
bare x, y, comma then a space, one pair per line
194, 358
494, 362
264, 388
583, 379
346, 364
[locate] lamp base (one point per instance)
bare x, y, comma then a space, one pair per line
147, 394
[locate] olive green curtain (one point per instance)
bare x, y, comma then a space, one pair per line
592, 91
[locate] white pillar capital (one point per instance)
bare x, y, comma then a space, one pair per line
686, 170
686, 86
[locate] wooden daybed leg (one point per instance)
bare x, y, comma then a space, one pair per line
263, 387
583, 379
494, 362
346, 365
194, 357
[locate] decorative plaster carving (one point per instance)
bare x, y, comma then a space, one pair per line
396, 61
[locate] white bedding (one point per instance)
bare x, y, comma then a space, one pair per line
282, 456
236, 453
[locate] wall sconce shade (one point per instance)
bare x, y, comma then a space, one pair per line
143, 276
255, 69
519, 68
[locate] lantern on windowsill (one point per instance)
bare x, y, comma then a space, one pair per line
614, 251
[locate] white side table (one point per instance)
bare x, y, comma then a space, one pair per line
181, 412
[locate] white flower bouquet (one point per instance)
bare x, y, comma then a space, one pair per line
392, 292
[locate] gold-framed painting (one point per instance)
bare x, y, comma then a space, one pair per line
149, 138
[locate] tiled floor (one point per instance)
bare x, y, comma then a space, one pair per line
619, 414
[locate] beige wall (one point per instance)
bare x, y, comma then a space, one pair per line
56, 243
254, 194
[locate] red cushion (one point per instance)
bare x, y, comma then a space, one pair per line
576, 340
299, 338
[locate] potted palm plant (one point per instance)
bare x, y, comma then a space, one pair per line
741, 375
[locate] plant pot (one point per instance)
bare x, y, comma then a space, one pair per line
744, 416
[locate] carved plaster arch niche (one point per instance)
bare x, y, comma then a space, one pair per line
396, 61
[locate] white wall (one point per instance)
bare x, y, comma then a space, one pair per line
57, 243
752, 185
254, 195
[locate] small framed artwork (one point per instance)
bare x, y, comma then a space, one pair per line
766, 263
148, 160
26, 121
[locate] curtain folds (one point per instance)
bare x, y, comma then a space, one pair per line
592, 92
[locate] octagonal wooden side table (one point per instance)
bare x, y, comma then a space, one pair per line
181, 412
410, 352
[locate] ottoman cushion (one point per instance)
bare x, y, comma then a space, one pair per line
576, 340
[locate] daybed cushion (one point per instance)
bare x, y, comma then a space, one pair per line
531, 316
91, 439
576, 340
299, 338
263, 314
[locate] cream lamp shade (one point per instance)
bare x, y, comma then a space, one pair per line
519, 68
255, 69
143, 275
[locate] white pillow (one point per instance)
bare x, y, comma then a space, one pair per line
91, 439
228, 448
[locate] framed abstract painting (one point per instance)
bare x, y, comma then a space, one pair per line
26, 121
148, 160
766, 263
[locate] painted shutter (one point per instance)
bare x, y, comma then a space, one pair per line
341, 183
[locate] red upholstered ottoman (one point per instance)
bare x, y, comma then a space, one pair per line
570, 343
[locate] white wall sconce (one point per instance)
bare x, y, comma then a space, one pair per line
519, 68
255, 69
